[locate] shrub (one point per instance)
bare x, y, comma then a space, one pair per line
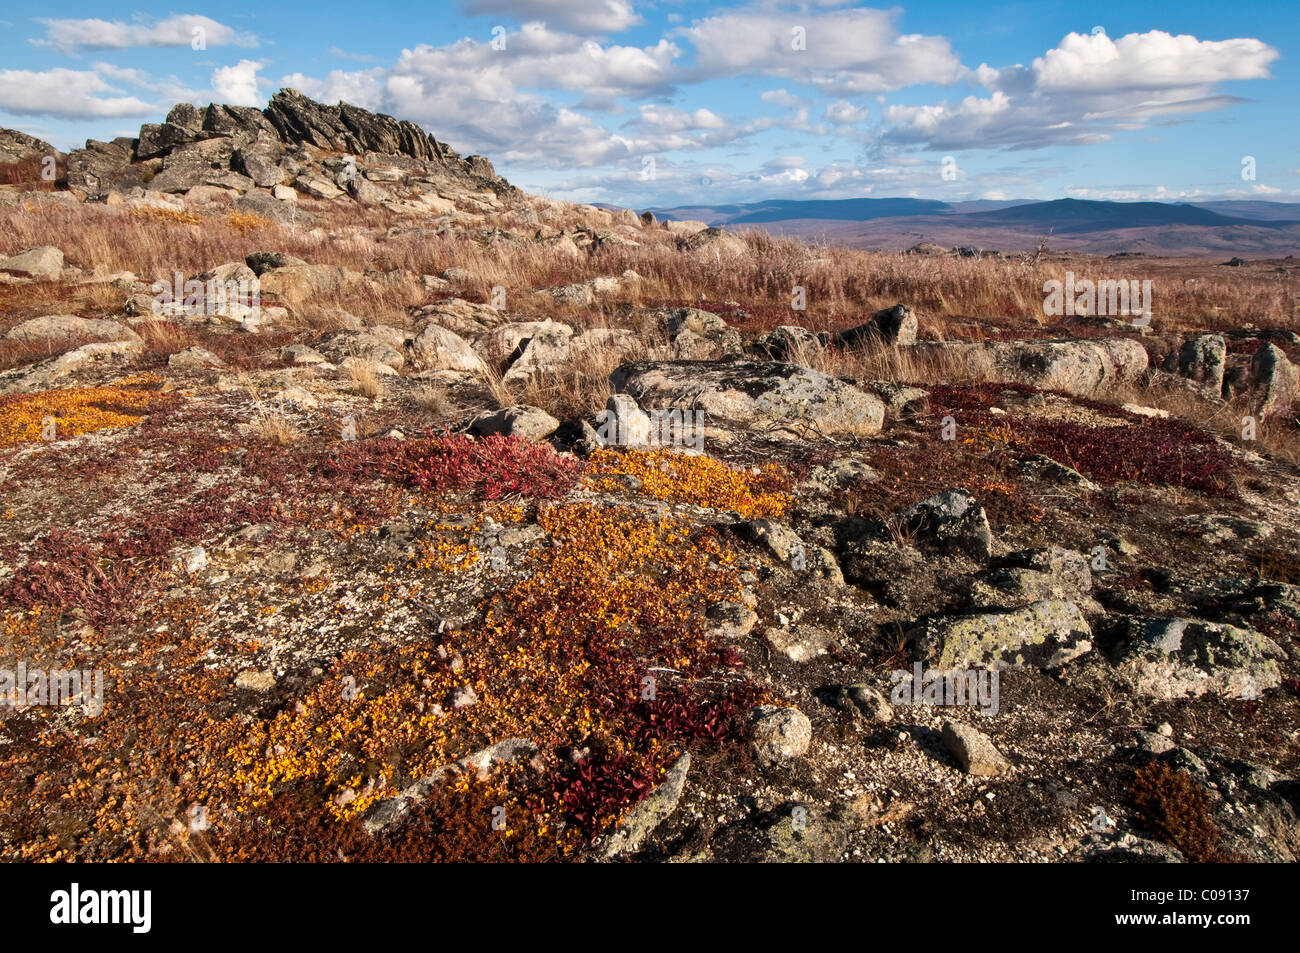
1177, 810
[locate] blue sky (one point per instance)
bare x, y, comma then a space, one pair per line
664, 103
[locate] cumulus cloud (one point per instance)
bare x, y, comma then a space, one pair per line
583, 16
840, 52
844, 113
1084, 91
67, 94
1148, 61
492, 101
364, 88
781, 97
72, 35
237, 85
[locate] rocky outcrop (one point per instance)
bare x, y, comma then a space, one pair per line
16, 146
243, 148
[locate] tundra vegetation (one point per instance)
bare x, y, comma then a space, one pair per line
367, 576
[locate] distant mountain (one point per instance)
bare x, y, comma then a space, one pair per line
834, 210
1157, 228
1064, 216
1259, 211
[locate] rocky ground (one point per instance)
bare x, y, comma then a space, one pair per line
408, 557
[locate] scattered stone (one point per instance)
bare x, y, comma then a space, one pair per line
301, 354
951, 520
622, 423
974, 752
873, 704
803, 643
529, 423
731, 620
779, 734
43, 261
251, 680
1044, 468
716, 241
263, 261
191, 561
1141, 411
901, 401
1223, 528
195, 357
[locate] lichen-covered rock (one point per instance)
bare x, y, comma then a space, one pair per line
748, 395
55, 326
57, 370
43, 261
802, 643
1075, 366
650, 811
894, 326
951, 520
1177, 658
436, 348
1202, 360
1045, 635
779, 734
1276, 379
528, 423
297, 283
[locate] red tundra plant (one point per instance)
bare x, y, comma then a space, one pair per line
492, 467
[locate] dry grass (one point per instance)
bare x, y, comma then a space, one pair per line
270, 424
842, 286
432, 399
365, 382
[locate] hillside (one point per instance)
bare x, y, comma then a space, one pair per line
363, 507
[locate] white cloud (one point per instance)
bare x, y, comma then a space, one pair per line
584, 16
843, 51
1146, 61
237, 85
66, 93
1084, 91
844, 113
364, 88
73, 36
780, 97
